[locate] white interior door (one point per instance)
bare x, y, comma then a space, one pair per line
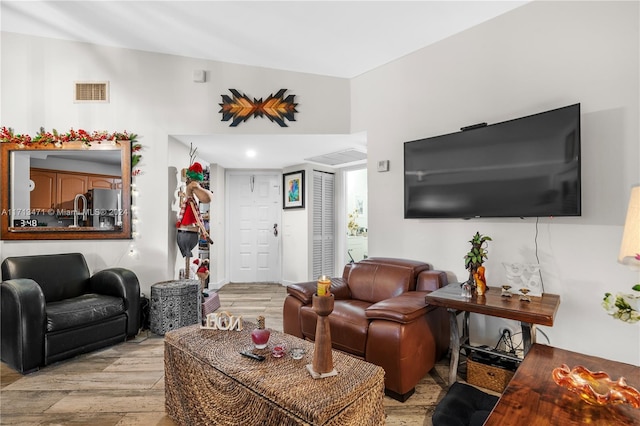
254, 227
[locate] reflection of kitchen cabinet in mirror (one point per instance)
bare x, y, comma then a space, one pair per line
73, 192
56, 189
68, 186
104, 182
43, 189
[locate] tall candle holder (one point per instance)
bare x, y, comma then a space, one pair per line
322, 356
324, 285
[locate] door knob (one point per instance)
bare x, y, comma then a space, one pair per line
275, 229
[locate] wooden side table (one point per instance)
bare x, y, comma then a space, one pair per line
533, 398
540, 310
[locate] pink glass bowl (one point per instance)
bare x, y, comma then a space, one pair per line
279, 350
596, 388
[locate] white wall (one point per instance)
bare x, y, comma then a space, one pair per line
295, 243
217, 228
297, 233
538, 57
154, 96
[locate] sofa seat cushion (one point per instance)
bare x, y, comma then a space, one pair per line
348, 323
82, 310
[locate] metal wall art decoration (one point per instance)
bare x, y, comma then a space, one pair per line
241, 107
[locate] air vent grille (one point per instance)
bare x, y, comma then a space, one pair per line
96, 91
339, 158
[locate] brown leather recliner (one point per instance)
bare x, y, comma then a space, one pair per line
380, 315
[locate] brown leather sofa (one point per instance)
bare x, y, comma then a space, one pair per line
380, 315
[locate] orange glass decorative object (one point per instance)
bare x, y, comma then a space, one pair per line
481, 270
596, 388
481, 282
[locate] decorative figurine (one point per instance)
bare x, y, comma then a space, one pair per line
203, 273
480, 280
505, 291
190, 223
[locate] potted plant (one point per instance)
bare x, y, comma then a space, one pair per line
476, 256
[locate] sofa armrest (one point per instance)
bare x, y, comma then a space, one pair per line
305, 291
431, 280
23, 323
302, 291
404, 308
120, 282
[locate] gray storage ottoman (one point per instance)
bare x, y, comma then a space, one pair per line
175, 304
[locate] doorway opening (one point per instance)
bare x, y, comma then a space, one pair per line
356, 203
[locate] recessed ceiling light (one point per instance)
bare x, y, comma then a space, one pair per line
251, 153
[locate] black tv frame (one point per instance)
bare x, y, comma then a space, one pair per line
572, 157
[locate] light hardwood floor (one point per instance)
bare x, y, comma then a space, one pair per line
123, 384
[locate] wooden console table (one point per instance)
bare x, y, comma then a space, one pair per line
540, 310
533, 398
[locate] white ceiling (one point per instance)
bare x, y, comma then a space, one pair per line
271, 151
334, 38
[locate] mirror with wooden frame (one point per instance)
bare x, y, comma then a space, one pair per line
74, 191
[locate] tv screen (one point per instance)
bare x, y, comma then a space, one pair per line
526, 167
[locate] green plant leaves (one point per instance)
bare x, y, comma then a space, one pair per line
478, 254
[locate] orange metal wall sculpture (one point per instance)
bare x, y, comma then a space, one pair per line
241, 107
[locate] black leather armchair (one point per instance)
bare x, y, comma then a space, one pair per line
51, 309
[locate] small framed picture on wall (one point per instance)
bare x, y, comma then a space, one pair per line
293, 194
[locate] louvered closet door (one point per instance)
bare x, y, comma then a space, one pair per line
323, 224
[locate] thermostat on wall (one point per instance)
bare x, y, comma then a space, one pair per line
383, 165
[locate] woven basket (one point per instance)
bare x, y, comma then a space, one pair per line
488, 376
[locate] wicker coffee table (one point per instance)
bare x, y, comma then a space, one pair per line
207, 381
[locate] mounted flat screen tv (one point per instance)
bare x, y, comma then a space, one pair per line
526, 167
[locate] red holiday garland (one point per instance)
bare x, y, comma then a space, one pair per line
57, 139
